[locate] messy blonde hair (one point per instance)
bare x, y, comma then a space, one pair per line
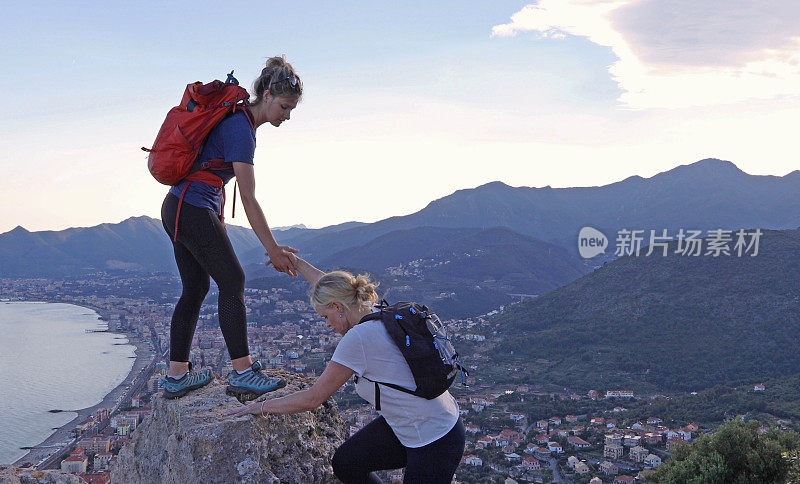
352, 291
275, 78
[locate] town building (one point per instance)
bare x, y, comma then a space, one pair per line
531, 463
652, 461
101, 460
77, 462
581, 469
609, 468
473, 460
96, 444
613, 451
578, 442
638, 453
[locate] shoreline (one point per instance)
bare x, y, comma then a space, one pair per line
63, 436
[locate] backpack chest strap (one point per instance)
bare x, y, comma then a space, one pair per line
378, 390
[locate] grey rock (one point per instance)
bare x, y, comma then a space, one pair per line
15, 475
191, 440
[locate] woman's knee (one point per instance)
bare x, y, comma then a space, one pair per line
342, 463
232, 282
347, 465
437, 462
197, 290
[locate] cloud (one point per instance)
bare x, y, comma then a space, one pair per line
681, 53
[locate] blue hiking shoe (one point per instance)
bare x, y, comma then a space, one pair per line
174, 388
253, 381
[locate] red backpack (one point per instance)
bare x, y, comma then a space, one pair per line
186, 127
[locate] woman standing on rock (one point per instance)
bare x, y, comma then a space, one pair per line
201, 244
426, 437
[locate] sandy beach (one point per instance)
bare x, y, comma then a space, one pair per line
63, 436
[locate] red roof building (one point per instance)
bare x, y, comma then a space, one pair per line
578, 442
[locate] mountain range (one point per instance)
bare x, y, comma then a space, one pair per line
471, 250
707, 194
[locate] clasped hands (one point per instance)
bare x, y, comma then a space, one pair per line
282, 258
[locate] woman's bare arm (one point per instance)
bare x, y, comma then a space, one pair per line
308, 271
281, 256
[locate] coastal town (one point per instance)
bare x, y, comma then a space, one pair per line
515, 432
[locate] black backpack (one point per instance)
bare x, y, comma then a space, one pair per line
423, 340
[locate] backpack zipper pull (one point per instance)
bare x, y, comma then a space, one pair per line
408, 339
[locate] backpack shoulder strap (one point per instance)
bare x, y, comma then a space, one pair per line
376, 315
370, 317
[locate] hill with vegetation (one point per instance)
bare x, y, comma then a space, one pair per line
736, 452
654, 323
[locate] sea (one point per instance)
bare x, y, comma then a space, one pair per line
48, 361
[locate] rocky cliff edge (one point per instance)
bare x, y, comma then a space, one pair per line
15, 475
191, 440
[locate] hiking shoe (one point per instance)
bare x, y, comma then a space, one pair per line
174, 388
253, 381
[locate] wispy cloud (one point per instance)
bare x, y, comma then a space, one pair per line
681, 53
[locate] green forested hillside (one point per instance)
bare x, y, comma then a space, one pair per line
780, 399
665, 323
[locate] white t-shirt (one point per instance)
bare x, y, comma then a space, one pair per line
369, 351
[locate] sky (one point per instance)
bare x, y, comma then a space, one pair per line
405, 102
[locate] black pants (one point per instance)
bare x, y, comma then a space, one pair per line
375, 447
202, 250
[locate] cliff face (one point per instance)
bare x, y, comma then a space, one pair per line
14, 475
191, 440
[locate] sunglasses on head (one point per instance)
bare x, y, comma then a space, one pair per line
285, 76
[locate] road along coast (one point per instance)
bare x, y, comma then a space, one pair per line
47, 454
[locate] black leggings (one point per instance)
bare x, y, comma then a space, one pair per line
202, 250
375, 447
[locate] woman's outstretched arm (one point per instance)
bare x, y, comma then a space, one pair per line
334, 376
309, 272
281, 256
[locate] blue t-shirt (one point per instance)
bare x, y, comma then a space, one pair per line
233, 140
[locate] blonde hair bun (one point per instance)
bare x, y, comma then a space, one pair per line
344, 287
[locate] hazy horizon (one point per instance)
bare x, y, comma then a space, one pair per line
243, 221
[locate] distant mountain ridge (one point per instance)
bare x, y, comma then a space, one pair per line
707, 194
135, 244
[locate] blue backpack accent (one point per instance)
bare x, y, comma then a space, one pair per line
424, 343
